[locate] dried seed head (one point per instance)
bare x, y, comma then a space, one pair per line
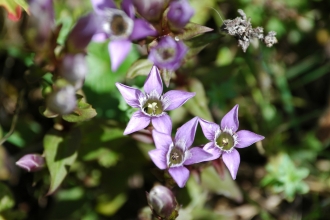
270, 39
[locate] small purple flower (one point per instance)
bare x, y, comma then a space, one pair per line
31, 162
179, 14
224, 139
168, 54
152, 104
173, 155
121, 27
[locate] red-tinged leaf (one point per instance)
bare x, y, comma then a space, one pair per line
17, 15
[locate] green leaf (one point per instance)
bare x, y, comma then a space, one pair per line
166, 75
226, 186
10, 6
61, 153
198, 43
83, 112
140, 67
191, 30
6, 198
23, 4
45, 112
198, 104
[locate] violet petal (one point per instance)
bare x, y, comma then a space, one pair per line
212, 149
232, 161
158, 156
230, 120
153, 82
118, 50
137, 122
100, 37
246, 138
162, 124
100, 5
142, 29
209, 129
128, 8
131, 95
177, 98
187, 132
162, 141
197, 155
180, 175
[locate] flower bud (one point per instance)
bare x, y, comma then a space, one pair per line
151, 10
179, 14
62, 101
31, 162
74, 69
41, 22
162, 202
82, 33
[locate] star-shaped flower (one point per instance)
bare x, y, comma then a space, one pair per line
121, 27
174, 155
152, 104
225, 139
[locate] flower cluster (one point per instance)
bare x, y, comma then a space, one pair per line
160, 26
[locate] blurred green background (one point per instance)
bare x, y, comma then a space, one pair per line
283, 93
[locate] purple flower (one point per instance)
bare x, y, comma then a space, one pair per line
224, 139
31, 162
179, 14
152, 104
173, 155
121, 27
168, 54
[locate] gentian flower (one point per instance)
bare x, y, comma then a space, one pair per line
168, 53
174, 155
179, 14
225, 139
152, 104
121, 27
31, 162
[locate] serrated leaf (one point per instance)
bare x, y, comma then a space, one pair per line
83, 112
198, 104
61, 153
6, 198
140, 67
191, 30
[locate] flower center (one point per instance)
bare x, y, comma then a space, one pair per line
117, 24
153, 107
166, 53
225, 141
176, 156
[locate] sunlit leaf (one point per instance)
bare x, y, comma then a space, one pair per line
61, 152
6, 198
83, 112
141, 67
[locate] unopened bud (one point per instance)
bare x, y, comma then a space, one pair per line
82, 33
162, 202
179, 14
62, 101
31, 162
151, 10
74, 69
